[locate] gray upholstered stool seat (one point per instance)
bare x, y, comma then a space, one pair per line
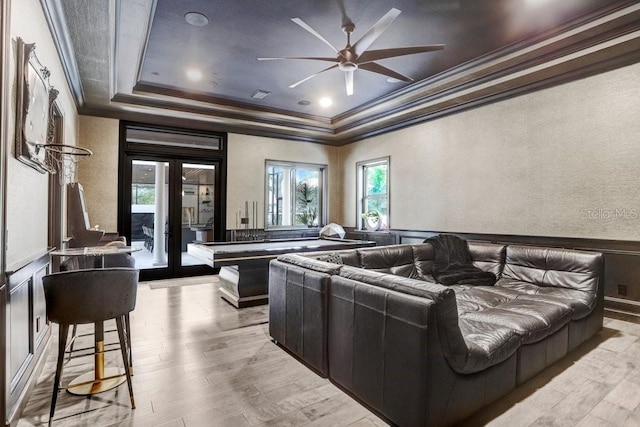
82, 263
90, 296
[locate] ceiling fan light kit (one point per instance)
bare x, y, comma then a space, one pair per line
356, 56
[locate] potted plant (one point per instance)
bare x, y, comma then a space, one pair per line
372, 220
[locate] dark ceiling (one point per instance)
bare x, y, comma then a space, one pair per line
129, 58
238, 32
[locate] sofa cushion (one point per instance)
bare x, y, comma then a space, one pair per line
423, 258
488, 344
562, 268
350, 257
396, 260
413, 261
532, 320
580, 302
488, 256
570, 276
478, 298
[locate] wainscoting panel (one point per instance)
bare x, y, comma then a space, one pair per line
28, 333
19, 351
622, 281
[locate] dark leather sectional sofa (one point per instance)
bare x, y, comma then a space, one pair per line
423, 354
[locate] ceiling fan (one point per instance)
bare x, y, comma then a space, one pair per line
356, 56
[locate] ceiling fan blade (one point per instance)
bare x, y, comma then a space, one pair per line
375, 31
312, 58
345, 18
312, 76
379, 69
314, 32
348, 78
374, 55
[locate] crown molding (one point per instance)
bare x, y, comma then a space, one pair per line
198, 116
599, 45
227, 104
62, 40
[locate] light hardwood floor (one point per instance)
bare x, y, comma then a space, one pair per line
200, 362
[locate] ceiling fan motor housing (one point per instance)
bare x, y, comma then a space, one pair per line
347, 59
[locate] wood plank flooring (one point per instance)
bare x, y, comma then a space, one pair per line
200, 362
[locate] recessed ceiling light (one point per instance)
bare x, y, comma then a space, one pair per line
393, 80
194, 74
196, 19
260, 94
304, 102
325, 102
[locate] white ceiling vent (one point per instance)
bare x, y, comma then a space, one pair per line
260, 94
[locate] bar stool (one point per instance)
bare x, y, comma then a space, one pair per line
120, 260
91, 296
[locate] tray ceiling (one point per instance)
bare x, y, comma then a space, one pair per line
129, 59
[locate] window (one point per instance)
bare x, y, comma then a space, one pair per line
294, 194
143, 194
373, 191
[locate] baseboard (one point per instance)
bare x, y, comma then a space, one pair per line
616, 307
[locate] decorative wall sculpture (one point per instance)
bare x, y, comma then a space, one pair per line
34, 107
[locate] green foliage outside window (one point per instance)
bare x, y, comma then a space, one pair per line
376, 189
306, 203
143, 194
377, 180
294, 194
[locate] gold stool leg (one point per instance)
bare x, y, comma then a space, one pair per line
101, 379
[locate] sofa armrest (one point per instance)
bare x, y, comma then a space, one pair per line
310, 263
298, 312
383, 347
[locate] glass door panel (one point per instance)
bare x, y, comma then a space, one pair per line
172, 203
198, 207
171, 192
150, 213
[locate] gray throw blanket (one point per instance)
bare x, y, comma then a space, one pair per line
453, 265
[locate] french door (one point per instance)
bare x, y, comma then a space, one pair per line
168, 199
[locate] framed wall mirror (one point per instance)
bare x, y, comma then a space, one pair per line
34, 98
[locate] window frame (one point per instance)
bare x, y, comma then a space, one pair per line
322, 191
361, 190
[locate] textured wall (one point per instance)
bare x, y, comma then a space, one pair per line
558, 162
245, 170
99, 173
27, 191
